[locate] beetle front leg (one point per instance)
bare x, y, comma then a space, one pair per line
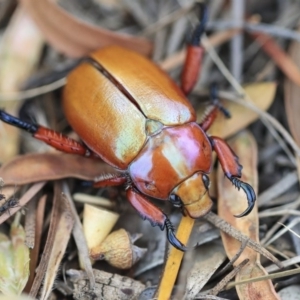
48, 136
152, 213
194, 54
233, 170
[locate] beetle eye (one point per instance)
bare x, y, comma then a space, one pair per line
175, 200
206, 181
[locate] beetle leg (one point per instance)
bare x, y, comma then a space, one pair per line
48, 136
233, 170
193, 59
149, 211
110, 180
212, 112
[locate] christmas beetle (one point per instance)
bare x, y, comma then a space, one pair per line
130, 114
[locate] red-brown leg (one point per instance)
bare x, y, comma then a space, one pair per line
149, 211
193, 59
110, 180
209, 117
48, 136
212, 111
233, 170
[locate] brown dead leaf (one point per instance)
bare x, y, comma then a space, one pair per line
50, 166
262, 95
210, 257
281, 59
232, 202
63, 233
20, 49
74, 37
53, 226
291, 95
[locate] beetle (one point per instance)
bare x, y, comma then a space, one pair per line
132, 115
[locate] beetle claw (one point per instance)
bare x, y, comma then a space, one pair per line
172, 238
251, 197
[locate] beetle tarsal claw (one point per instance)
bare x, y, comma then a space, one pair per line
251, 197
172, 238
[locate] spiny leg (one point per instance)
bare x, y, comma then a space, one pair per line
149, 211
212, 112
233, 170
48, 136
193, 59
146, 209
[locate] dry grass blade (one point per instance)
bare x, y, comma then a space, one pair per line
266, 277
291, 96
215, 40
64, 225
230, 230
23, 200
41, 270
34, 254
284, 62
220, 286
80, 240
30, 223
76, 38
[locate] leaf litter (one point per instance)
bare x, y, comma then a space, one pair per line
268, 108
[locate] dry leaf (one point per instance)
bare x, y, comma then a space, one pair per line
281, 59
262, 95
74, 37
14, 260
20, 50
210, 257
50, 166
232, 202
291, 95
63, 232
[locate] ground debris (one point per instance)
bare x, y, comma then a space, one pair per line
108, 286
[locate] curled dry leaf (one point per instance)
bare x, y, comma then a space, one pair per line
74, 37
97, 224
51, 166
108, 286
262, 95
231, 202
118, 250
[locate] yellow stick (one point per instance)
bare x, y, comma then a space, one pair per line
174, 260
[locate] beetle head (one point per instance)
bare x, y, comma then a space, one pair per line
192, 194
